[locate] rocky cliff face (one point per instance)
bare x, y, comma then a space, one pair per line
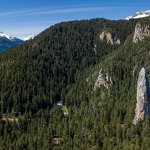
141, 31
143, 97
107, 36
103, 80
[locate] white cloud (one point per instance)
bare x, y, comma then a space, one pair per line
53, 11
69, 10
12, 13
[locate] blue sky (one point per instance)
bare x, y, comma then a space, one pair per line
21, 18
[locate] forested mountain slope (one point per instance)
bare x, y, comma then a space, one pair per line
62, 64
40, 69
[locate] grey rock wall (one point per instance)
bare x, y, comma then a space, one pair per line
107, 36
103, 80
143, 97
141, 31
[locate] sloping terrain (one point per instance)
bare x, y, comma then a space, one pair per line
62, 64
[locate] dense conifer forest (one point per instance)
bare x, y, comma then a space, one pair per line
47, 96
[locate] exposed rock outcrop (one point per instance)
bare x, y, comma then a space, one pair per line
107, 36
143, 97
103, 80
94, 48
134, 70
141, 31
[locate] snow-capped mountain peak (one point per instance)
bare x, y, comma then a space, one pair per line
6, 36
8, 41
28, 38
139, 15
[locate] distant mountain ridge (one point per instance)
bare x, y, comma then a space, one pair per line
8, 41
28, 38
139, 15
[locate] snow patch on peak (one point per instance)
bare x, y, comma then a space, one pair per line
28, 38
137, 15
7, 41
6, 36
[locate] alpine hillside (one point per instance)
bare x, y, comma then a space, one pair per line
74, 86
